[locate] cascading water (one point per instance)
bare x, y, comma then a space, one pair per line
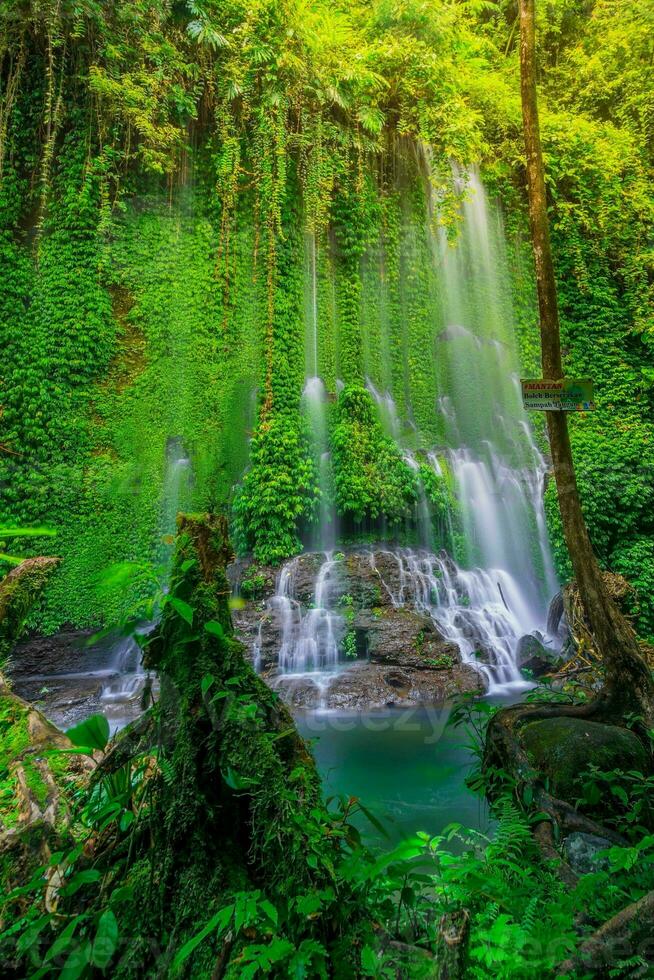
308, 637
129, 678
314, 401
478, 443
482, 611
497, 469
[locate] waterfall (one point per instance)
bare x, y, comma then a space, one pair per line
314, 402
129, 678
309, 640
476, 439
387, 411
311, 305
480, 610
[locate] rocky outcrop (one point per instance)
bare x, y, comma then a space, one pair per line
393, 652
533, 656
368, 685
562, 748
406, 638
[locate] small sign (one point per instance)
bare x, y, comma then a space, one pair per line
557, 396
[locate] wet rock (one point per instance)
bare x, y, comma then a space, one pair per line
371, 584
375, 623
581, 851
406, 638
305, 573
534, 656
368, 685
63, 653
563, 748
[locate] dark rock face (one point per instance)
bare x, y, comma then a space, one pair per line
563, 748
404, 637
534, 656
397, 653
64, 653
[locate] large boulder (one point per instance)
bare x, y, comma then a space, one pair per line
406, 638
562, 749
534, 656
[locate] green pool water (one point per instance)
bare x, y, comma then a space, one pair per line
405, 765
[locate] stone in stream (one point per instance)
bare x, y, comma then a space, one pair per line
534, 656
581, 851
366, 685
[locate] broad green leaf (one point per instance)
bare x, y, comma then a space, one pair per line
32, 933
215, 628
217, 922
106, 940
92, 733
182, 609
86, 877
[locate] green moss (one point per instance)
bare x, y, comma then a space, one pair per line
563, 748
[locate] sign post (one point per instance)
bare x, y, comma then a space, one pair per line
565, 395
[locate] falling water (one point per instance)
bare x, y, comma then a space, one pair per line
176, 487
387, 411
308, 638
481, 610
479, 442
129, 678
314, 401
497, 468
311, 306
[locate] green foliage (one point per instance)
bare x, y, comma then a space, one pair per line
253, 586
276, 493
92, 733
371, 478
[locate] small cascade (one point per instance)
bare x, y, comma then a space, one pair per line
308, 640
129, 679
177, 485
311, 305
423, 513
387, 411
120, 694
314, 403
481, 610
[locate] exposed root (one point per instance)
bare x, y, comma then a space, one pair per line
629, 933
504, 748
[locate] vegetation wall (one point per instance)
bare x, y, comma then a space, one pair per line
202, 204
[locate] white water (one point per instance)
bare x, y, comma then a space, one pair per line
123, 691
314, 405
501, 587
481, 610
308, 638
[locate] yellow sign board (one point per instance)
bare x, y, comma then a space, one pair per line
557, 396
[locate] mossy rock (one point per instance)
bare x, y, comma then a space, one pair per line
19, 590
563, 748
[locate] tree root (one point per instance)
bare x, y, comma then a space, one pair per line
627, 934
503, 743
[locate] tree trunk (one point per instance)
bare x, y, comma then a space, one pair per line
628, 685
